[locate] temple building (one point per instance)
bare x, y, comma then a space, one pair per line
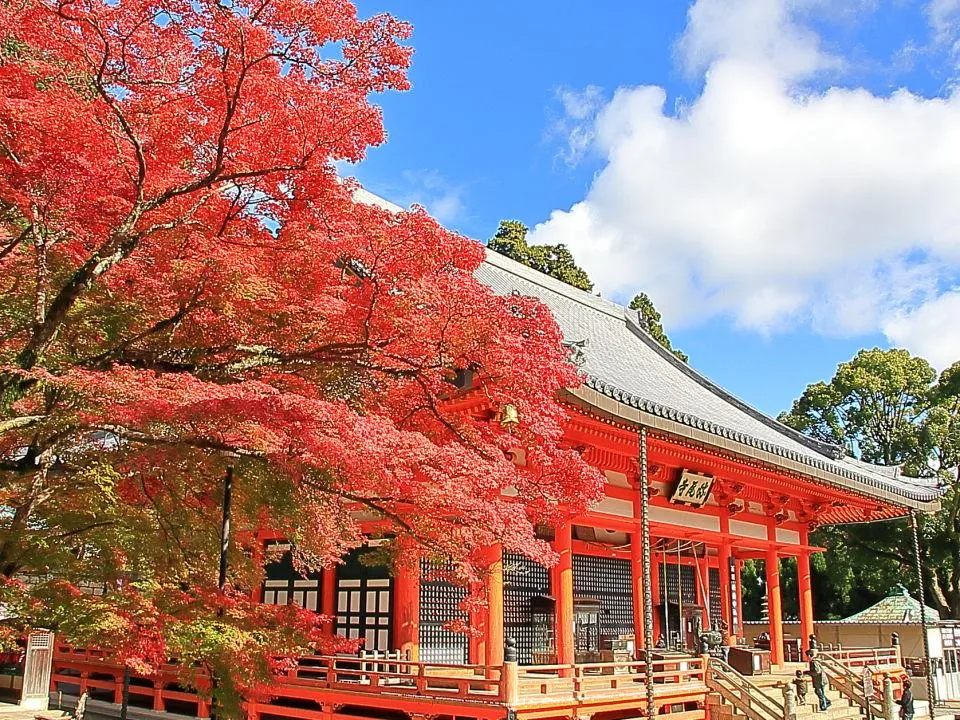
697, 482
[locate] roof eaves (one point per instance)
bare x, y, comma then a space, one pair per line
621, 396
827, 449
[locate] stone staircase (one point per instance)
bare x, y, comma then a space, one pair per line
734, 697
841, 708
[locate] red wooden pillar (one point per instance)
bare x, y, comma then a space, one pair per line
406, 603
774, 605
561, 583
328, 598
657, 596
723, 555
477, 617
493, 635
805, 588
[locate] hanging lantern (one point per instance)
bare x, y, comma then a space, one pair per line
509, 417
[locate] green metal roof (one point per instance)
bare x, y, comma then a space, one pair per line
897, 607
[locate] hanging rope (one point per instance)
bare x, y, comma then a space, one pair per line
647, 576
923, 606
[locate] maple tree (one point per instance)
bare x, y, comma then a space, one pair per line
187, 284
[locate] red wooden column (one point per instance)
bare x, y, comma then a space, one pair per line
805, 588
655, 571
561, 584
328, 598
774, 605
723, 555
406, 603
493, 635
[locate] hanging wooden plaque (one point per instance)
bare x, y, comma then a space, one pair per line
692, 489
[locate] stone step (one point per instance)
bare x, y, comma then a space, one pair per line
777, 694
831, 713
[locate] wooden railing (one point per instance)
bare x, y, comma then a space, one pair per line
849, 684
588, 681
742, 694
876, 658
317, 677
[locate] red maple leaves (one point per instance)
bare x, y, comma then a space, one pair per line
187, 283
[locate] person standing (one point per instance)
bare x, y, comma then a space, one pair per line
800, 683
906, 701
818, 679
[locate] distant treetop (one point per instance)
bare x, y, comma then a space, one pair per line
553, 260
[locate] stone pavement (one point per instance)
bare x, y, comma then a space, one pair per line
9, 711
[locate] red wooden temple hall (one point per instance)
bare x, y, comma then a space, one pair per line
725, 483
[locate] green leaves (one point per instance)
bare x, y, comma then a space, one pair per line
651, 320
553, 260
888, 407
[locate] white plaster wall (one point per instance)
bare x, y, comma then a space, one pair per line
684, 518
748, 529
790, 537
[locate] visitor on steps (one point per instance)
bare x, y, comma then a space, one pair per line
800, 683
906, 701
818, 679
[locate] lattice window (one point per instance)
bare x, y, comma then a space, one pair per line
716, 608
687, 579
364, 603
284, 585
439, 604
523, 580
608, 580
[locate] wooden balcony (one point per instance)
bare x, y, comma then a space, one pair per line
338, 688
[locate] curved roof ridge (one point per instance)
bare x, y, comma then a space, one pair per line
834, 452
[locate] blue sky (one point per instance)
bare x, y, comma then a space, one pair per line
780, 176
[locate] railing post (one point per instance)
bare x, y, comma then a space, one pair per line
158, 703
789, 702
889, 706
510, 677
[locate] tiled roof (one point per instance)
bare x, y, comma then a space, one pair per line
897, 607
621, 361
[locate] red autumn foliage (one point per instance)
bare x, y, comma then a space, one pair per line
187, 283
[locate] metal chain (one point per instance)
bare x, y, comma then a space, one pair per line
647, 575
932, 690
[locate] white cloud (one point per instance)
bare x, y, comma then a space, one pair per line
931, 330
764, 200
943, 15
575, 127
442, 199
762, 32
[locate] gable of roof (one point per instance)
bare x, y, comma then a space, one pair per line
622, 362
